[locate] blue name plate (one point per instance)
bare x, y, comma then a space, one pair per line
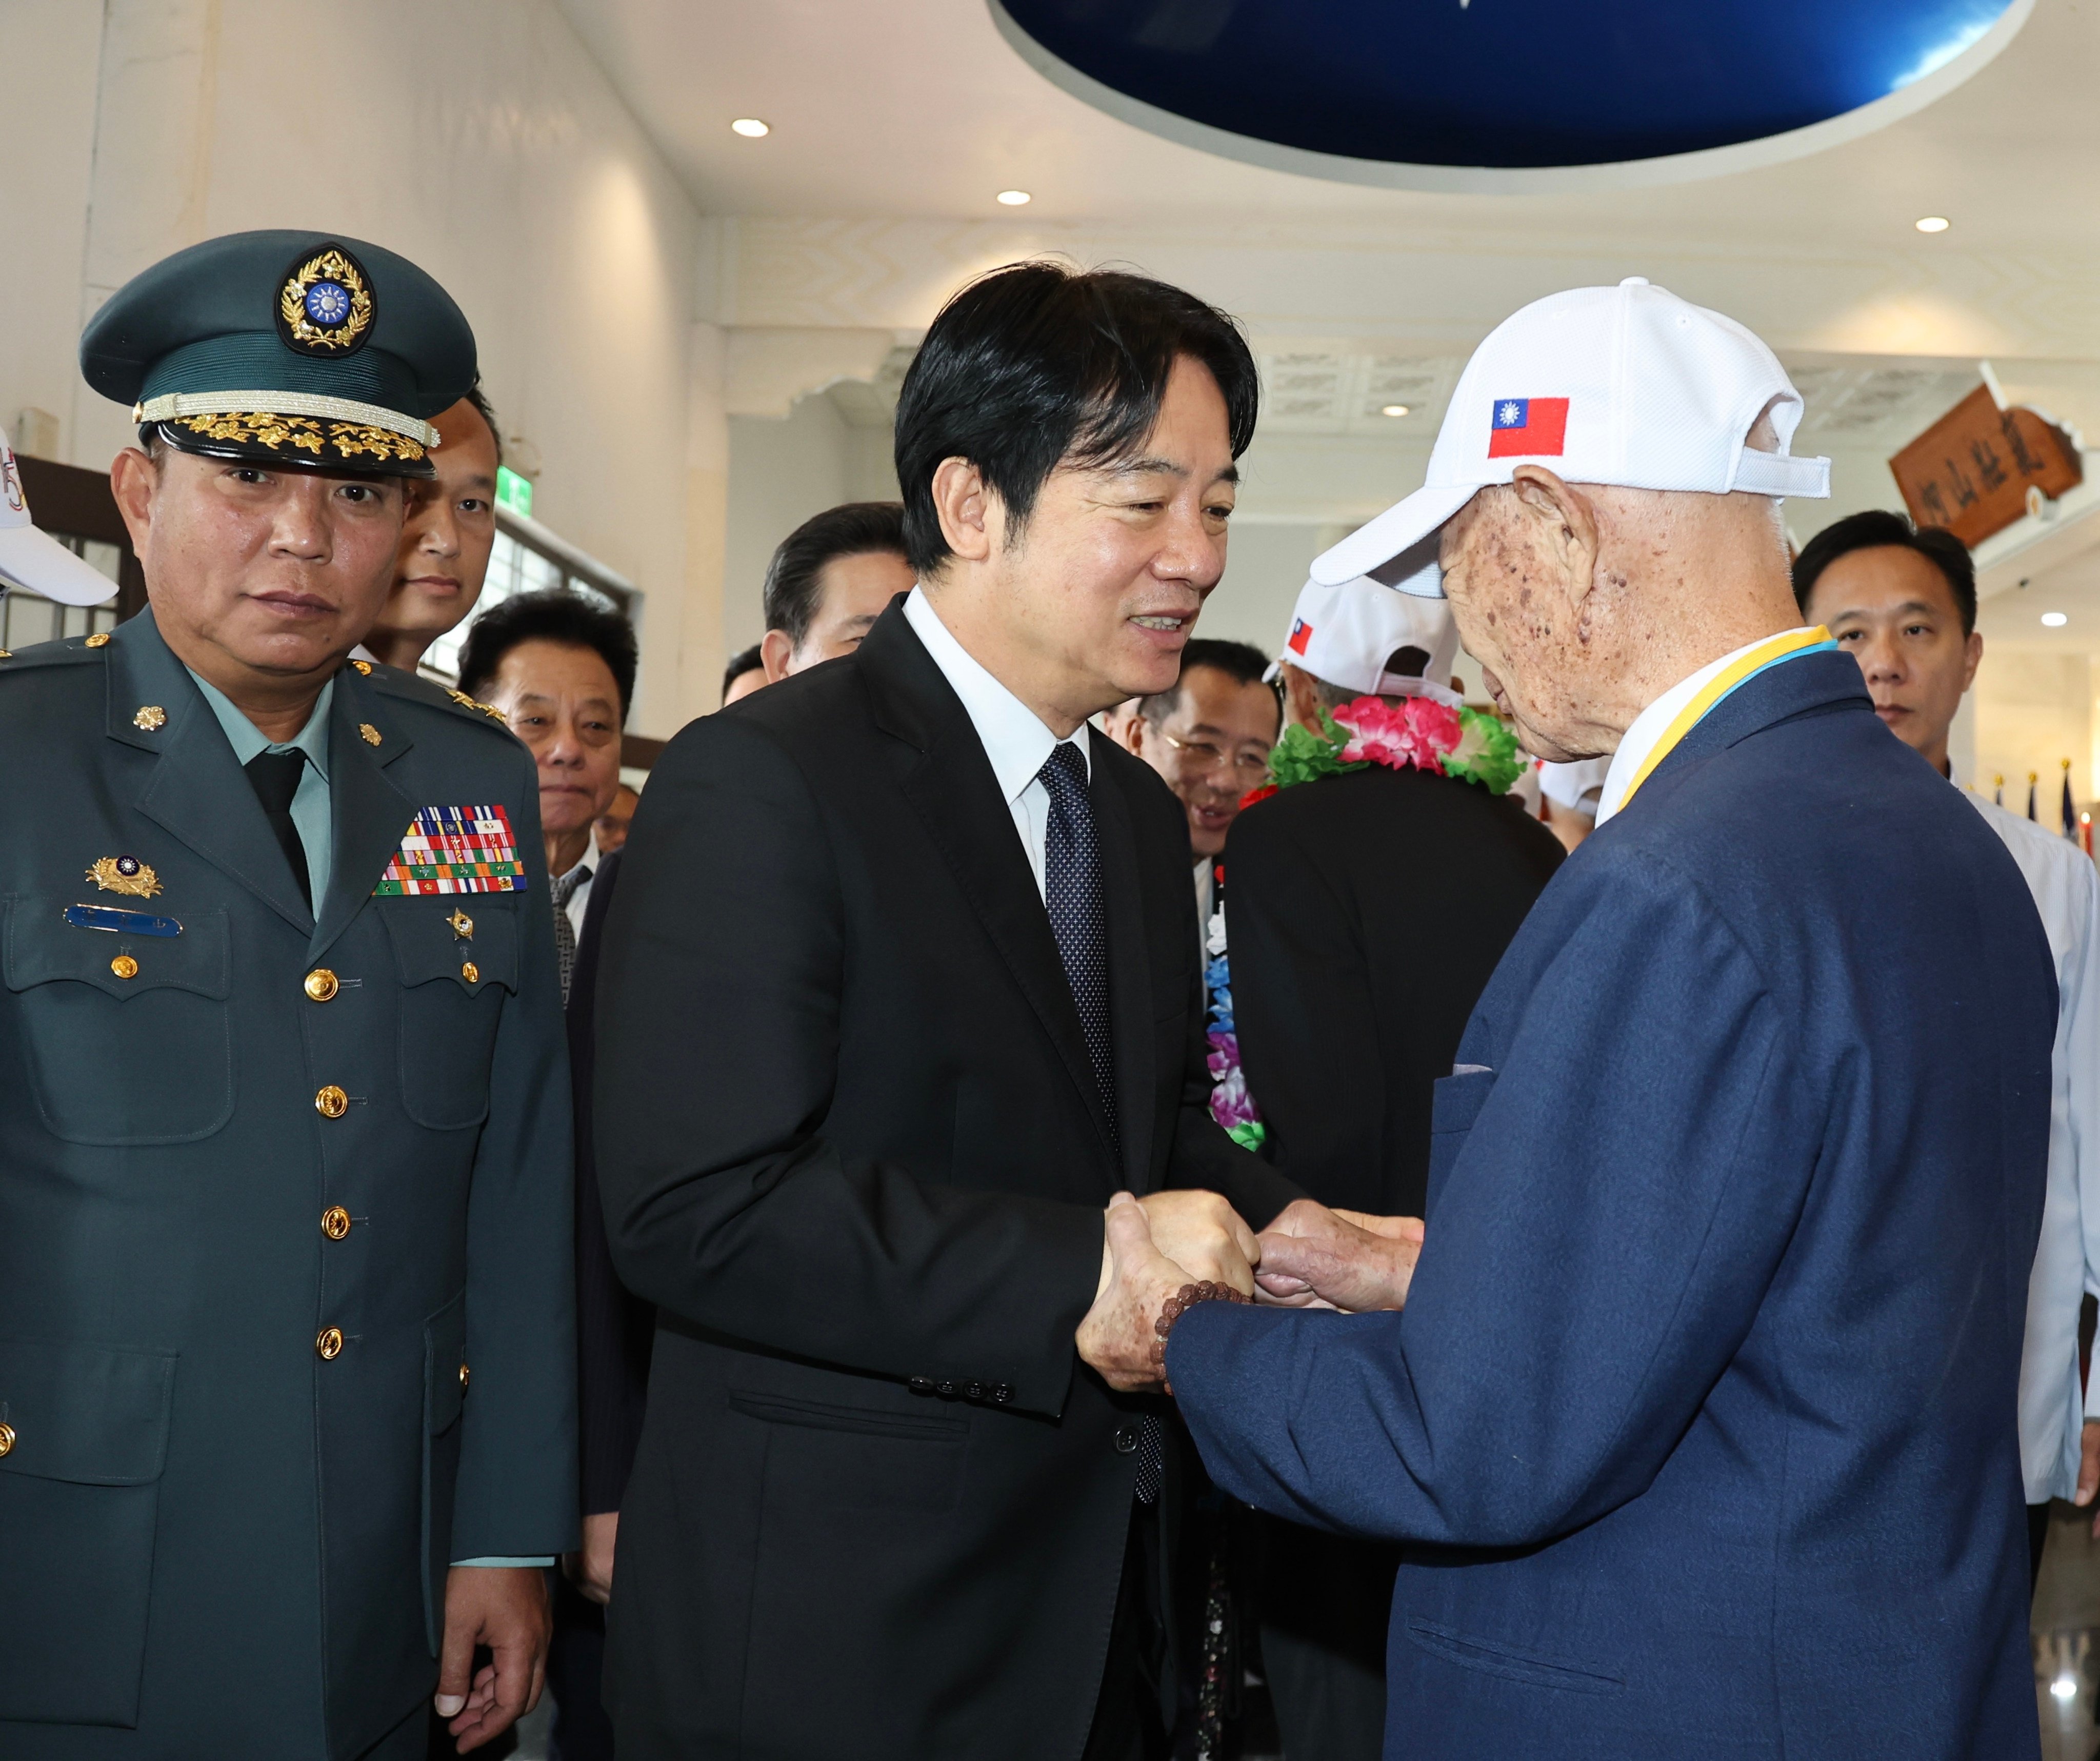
122, 922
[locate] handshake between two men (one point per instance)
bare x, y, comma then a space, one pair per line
1168, 1250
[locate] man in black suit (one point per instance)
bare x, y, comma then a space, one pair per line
1367, 910
900, 988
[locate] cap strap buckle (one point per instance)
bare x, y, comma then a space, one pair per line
1779, 473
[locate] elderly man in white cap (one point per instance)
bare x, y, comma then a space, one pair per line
1348, 1010
1699, 1425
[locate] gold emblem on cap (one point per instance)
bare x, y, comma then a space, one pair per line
363, 666
367, 733
125, 874
151, 717
332, 265
99, 639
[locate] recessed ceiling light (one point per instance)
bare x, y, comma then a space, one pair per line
2054, 619
750, 127
1934, 224
1394, 410
1014, 198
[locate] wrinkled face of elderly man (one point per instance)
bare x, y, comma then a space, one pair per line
1581, 601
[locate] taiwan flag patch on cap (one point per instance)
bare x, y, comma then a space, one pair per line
1533, 427
1301, 632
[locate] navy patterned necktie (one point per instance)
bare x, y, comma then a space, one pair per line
1078, 919
1072, 891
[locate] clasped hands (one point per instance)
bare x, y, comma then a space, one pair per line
1309, 1257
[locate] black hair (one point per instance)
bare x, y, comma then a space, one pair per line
853, 528
1038, 363
742, 661
1877, 529
479, 399
554, 615
1241, 662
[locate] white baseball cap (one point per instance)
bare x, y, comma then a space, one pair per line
34, 559
1628, 385
1345, 631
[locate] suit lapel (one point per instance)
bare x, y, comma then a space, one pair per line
951, 788
197, 791
1130, 973
370, 813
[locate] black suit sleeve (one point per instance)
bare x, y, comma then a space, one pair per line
722, 1022
614, 1328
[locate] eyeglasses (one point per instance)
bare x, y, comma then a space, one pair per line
1203, 757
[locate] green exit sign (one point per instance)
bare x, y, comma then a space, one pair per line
513, 491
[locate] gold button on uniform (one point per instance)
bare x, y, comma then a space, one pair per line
332, 1102
462, 1378
125, 967
329, 1343
7, 1438
470, 972
321, 984
99, 639
335, 1222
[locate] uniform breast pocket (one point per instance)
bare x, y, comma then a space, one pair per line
127, 1039
452, 988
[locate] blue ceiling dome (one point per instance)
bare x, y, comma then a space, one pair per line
1512, 86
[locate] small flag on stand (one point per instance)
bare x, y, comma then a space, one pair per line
2070, 812
1999, 780
2085, 833
2033, 777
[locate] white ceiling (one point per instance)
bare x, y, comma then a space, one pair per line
918, 108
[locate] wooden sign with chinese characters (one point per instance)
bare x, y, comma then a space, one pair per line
1970, 471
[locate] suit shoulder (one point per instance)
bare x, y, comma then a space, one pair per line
412, 687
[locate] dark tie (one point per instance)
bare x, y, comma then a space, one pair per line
565, 931
274, 777
1072, 891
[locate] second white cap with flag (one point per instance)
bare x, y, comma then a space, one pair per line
1628, 385
34, 559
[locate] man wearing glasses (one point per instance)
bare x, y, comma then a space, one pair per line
1209, 737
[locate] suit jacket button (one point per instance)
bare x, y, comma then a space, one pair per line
946, 1390
1002, 1394
1126, 1439
973, 1390
920, 1384
335, 1222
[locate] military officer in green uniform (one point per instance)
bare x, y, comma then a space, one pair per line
286, 1357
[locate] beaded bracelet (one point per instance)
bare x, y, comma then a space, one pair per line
1178, 1304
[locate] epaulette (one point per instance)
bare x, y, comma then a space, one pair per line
69, 650
398, 682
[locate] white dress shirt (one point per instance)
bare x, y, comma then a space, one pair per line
1014, 737
2066, 893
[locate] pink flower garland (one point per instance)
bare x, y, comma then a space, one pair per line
1416, 732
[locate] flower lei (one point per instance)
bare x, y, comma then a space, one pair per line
1411, 733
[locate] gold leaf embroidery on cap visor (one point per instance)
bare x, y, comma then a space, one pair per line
348, 439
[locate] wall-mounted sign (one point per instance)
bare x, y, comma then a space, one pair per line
1971, 470
513, 491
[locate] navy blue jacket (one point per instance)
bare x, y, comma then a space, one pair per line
1701, 1414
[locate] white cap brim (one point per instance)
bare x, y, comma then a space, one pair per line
38, 561
1400, 527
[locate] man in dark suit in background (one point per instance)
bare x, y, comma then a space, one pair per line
1367, 910
900, 988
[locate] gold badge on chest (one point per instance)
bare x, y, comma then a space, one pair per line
125, 874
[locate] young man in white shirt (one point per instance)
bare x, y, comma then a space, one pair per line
1903, 602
